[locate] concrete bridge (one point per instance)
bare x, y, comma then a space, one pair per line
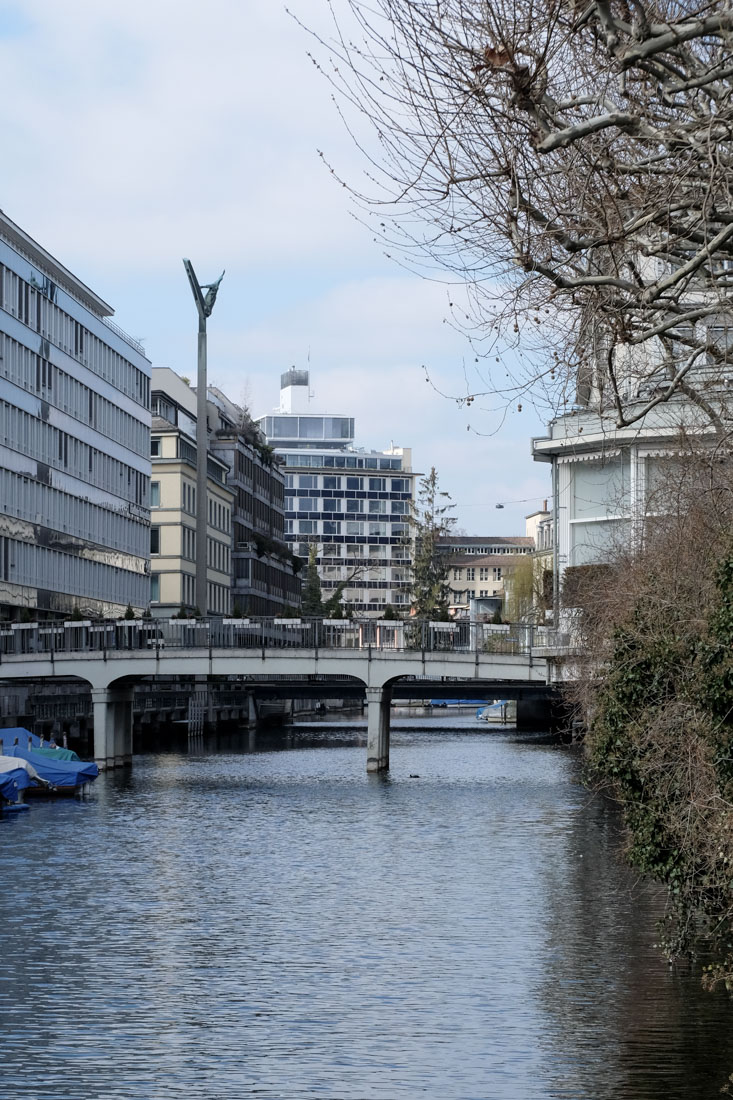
378, 660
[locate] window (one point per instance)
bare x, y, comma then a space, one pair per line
306, 504
308, 481
289, 504
155, 539
377, 529
307, 527
331, 527
377, 505
497, 573
470, 574
331, 505
377, 484
155, 448
330, 482
483, 574
154, 587
400, 507
457, 574
354, 505
155, 494
400, 485
354, 482
353, 528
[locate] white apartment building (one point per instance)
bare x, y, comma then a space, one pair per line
354, 505
74, 444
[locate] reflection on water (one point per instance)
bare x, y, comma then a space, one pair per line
266, 920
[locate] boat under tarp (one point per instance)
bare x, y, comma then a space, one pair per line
19, 735
15, 777
52, 764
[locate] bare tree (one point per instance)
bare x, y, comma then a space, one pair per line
571, 163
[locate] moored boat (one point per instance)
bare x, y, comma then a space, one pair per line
59, 770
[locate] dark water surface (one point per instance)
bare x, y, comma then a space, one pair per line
276, 924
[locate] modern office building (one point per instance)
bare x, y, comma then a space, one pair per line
250, 568
353, 505
74, 444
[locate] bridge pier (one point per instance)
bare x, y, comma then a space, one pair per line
112, 712
378, 703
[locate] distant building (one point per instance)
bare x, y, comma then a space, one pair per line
250, 569
479, 567
74, 444
352, 504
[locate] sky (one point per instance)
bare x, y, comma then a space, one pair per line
135, 134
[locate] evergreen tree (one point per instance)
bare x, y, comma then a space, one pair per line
312, 603
431, 522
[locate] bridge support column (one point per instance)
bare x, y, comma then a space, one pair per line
378, 703
112, 710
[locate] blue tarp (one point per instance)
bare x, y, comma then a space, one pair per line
24, 736
12, 783
59, 773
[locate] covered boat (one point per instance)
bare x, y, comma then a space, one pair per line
16, 776
53, 765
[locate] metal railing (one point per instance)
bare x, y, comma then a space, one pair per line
17, 639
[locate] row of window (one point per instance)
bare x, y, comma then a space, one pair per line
351, 527
32, 500
26, 563
332, 482
484, 573
352, 551
35, 307
482, 551
341, 461
220, 515
40, 440
34, 373
218, 556
471, 593
336, 504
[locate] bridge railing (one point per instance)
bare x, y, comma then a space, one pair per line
86, 636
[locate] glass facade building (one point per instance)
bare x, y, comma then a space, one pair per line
74, 444
353, 505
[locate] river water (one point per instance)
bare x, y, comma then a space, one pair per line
268, 921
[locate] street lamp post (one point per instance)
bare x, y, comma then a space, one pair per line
204, 306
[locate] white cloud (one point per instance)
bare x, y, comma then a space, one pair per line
145, 131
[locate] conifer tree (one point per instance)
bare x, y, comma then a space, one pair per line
431, 523
312, 602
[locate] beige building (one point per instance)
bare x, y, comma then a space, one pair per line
480, 566
173, 507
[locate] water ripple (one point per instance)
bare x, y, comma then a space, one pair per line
280, 925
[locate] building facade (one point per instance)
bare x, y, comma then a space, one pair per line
480, 565
266, 574
74, 444
173, 542
250, 568
607, 481
353, 505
